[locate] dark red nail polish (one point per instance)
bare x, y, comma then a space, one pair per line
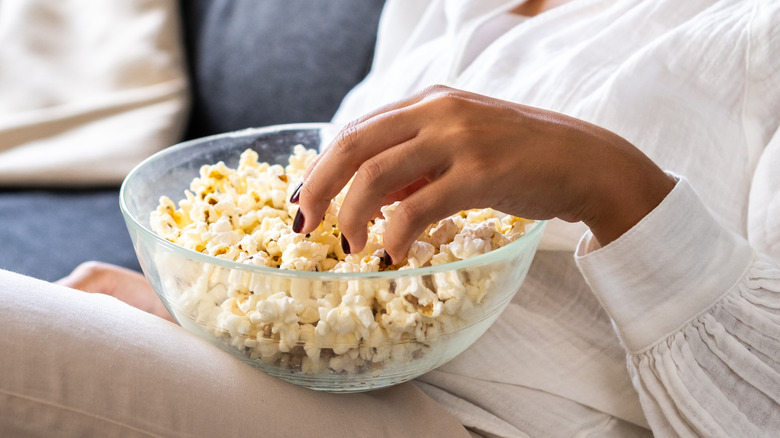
387, 259
344, 244
298, 222
296, 194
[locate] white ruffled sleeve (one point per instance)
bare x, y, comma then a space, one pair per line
699, 315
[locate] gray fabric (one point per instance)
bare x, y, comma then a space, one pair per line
264, 62
45, 234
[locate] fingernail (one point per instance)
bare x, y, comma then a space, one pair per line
296, 194
298, 222
387, 259
344, 244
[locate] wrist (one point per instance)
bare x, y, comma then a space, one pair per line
623, 206
627, 186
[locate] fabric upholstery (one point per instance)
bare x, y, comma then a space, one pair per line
259, 63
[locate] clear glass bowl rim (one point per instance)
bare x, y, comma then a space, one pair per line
490, 257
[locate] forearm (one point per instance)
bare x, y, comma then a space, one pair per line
472, 151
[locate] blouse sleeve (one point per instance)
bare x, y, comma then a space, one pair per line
698, 311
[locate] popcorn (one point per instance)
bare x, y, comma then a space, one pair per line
420, 254
307, 325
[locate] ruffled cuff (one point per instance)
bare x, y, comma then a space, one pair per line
666, 270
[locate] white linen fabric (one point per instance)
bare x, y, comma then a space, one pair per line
88, 89
693, 291
76, 364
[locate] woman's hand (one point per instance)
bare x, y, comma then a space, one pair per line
445, 150
123, 284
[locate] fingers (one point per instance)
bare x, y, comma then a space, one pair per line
443, 197
352, 126
397, 170
401, 151
355, 144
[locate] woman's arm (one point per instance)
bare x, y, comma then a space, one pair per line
696, 308
445, 150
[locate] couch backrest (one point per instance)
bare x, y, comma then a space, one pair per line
263, 62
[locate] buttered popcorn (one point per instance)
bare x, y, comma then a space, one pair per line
319, 325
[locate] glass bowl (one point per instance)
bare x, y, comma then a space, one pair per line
382, 349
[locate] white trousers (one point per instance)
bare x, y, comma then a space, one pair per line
79, 364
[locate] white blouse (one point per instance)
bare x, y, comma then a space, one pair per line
690, 297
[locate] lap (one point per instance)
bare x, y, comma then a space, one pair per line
88, 364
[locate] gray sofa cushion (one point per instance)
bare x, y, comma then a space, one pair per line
258, 63
252, 63
45, 234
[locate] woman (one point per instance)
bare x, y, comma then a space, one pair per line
648, 130
675, 258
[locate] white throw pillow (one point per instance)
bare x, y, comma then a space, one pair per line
88, 88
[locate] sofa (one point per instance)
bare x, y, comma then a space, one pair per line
249, 63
